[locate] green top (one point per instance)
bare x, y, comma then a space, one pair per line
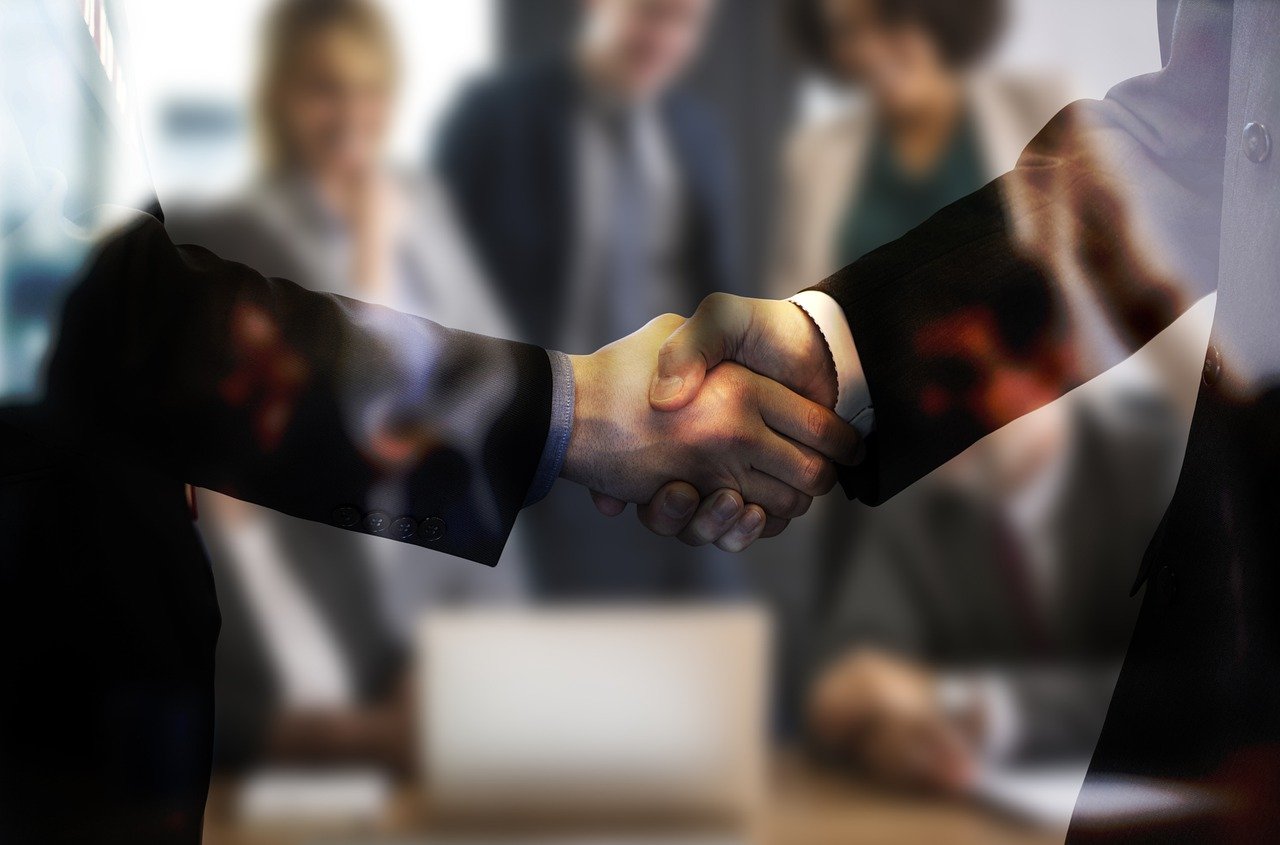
892, 201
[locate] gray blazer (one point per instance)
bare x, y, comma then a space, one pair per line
922, 577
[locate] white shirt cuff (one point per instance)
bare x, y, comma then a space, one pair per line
853, 399
557, 445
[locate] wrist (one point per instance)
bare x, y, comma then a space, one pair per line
580, 453
559, 427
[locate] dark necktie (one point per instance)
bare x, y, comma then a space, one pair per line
625, 294
1011, 560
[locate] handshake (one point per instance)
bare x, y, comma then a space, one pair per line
727, 438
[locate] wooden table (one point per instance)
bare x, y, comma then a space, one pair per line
809, 807
805, 807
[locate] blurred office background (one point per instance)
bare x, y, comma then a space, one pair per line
877, 675
194, 76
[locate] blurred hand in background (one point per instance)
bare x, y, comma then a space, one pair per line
886, 715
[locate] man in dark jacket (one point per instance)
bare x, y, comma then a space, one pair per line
157, 367
1120, 214
597, 193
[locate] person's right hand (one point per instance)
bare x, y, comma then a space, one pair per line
773, 338
742, 433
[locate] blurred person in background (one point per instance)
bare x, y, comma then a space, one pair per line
170, 368
311, 662
598, 193
926, 125
981, 617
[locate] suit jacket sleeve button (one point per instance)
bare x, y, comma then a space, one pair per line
1257, 142
432, 529
346, 517
376, 522
403, 529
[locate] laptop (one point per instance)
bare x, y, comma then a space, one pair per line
613, 718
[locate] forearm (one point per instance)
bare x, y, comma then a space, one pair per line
1102, 235
1015, 295
319, 406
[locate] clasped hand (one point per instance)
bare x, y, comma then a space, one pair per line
719, 427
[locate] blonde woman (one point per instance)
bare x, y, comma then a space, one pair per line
310, 663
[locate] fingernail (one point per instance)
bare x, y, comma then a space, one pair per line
678, 504
666, 388
725, 508
750, 521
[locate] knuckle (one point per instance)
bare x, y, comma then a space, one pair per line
734, 387
824, 478
668, 323
814, 471
717, 307
816, 423
716, 301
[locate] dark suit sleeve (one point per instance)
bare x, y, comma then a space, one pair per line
1105, 232
315, 405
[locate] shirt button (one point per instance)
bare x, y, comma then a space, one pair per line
1212, 371
403, 529
346, 517
376, 522
432, 529
1257, 142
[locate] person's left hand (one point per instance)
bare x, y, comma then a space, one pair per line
742, 438
884, 713
771, 337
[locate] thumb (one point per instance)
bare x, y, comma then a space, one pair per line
694, 348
